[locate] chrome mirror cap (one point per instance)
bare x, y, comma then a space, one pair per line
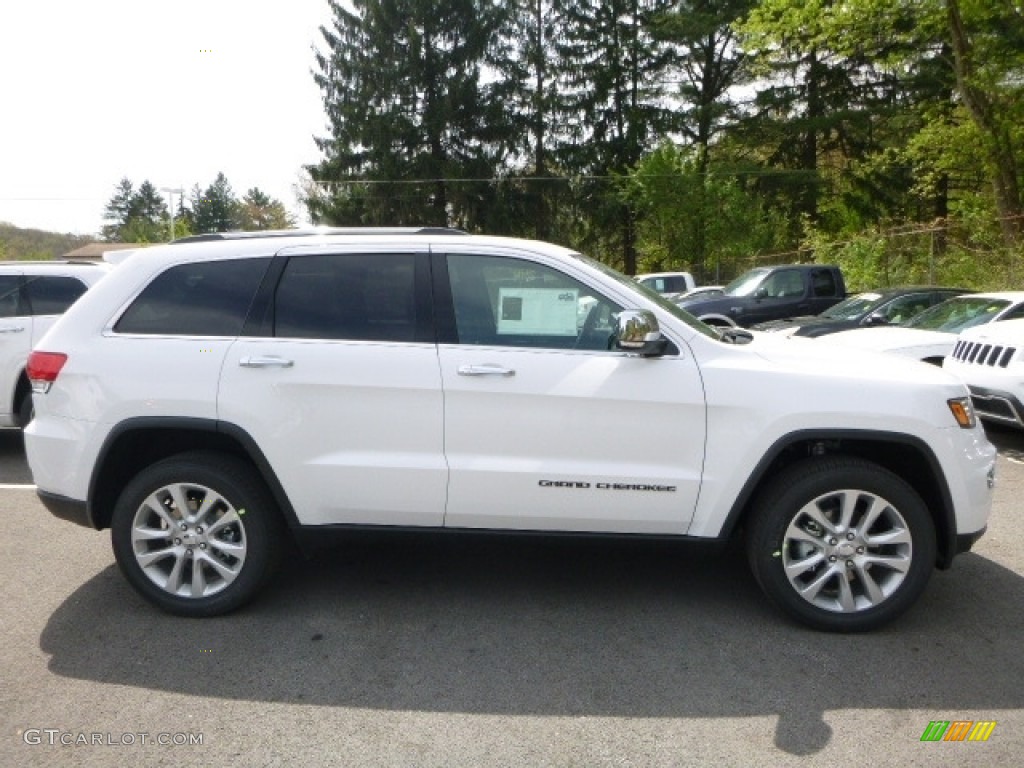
637, 332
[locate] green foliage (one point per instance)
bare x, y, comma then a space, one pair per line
882, 134
215, 208
140, 216
17, 243
135, 216
257, 210
677, 203
969, 255
405, 99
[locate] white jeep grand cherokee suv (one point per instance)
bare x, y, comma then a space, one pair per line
990, 360
212, 397
32, 295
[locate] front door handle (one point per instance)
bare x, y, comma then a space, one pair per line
488, 369
12, 329
265, 362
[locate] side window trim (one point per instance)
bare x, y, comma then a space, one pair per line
444, 306
259, 322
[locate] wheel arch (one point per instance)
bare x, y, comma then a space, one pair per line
22, 389
137, 443
906, 456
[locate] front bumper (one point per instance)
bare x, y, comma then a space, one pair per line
998, 405
72, 510
965, 541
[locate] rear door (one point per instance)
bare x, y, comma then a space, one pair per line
546, 428
15, 340
340, 388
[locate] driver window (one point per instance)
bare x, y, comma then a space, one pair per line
514, 303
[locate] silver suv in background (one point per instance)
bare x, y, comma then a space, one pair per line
33, 294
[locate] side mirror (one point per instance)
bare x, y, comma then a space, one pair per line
876, 318
761, 293
637, 332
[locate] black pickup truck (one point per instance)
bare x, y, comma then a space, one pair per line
771, 293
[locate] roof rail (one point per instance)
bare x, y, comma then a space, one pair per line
313, 232
57, 262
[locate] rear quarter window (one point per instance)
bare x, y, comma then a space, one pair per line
208, 298
52, 295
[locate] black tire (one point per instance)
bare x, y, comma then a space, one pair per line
26, 410
850, 575
230, 544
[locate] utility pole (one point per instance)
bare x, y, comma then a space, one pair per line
171, 192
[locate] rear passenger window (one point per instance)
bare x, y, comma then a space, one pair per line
209, 298
823, 282
53, 295
359, 297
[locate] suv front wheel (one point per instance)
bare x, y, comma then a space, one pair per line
841, 544
197, 534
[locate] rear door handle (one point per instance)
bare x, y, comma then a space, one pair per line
488, 369
265, 362
12, 329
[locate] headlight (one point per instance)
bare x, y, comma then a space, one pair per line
962, 411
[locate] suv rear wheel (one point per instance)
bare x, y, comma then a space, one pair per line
197, 534
841, 544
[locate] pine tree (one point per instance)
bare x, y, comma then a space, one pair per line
613, 86
215, 209
710, 66
135, 216
406, 102
257, 210
118, 211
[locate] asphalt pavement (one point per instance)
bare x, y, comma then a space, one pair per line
494, 651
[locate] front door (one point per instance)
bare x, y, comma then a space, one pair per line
546, 428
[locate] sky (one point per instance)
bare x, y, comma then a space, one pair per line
93, 91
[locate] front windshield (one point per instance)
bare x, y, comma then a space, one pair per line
853, 307
747, 283
652, 295
953, 315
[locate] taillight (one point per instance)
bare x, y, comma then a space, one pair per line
42, 369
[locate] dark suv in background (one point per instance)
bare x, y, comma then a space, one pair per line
770, 293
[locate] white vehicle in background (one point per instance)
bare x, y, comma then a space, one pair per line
33, 294
931, 335
990, 360
668, 282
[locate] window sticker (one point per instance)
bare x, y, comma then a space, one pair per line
537, 311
